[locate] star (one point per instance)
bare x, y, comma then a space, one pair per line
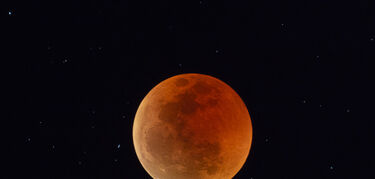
283, 26
65, 60
10, 13
266, 139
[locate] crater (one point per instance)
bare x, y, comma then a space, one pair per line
202, 87
172, 112
212, 102
205, 156
181, 82
157, 142
187, 103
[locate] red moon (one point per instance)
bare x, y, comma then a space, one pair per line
192, 126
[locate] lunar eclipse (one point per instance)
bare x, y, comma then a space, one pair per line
192, 126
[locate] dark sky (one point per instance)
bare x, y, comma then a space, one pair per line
76, 71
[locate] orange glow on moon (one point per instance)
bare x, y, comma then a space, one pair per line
192, 126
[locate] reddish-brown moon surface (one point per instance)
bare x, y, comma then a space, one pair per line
192, 126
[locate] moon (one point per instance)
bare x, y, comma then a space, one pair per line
192, 126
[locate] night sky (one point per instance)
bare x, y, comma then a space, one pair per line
75, 72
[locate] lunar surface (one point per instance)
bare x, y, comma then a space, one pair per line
192, 126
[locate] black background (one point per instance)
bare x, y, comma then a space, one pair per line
75, 72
